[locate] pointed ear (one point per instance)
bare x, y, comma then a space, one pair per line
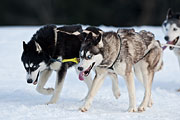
90, 36
24, 46
131, 30
97, 40
38, 47
82, 36
169, 13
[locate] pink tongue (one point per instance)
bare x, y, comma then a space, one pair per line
81, 76
169, 42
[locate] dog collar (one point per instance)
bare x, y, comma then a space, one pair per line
75, 60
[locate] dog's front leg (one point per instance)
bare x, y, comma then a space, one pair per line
87, 80
115, 85
97, 82
44, 75
59, 83
131, 90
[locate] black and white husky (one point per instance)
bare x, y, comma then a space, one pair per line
53, 48
46, 51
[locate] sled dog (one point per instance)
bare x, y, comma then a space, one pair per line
171, 29
54, 49
120, 53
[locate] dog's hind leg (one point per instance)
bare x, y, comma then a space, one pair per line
139, 76
115, 85
59, 84
138, 72
147, 80
44, 75
97, 82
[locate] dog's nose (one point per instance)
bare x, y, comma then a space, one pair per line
166, 38
29, 81
80, 68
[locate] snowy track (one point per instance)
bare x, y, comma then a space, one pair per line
20, 101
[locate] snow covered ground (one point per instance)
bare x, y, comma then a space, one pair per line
20, 101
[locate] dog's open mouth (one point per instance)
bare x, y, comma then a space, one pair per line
86, 72
35, 82
173, 43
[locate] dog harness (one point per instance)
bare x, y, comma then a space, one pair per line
111, 67
169, 45
75, 60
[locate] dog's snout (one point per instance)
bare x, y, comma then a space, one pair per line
80, 68
166, 38
29, 81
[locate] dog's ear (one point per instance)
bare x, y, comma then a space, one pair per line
24, 46
131, 30
82, 36
38, 47
97, 40
169, 13
90, 36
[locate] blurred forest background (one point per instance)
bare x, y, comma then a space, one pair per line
88, 12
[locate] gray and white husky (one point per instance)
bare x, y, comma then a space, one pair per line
47, 50
119, 53
171, 28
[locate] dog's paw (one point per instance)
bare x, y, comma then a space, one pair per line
83, 109
117, 94
141, 108
50, 102
45, 91
50, 90
150, 103
132, 109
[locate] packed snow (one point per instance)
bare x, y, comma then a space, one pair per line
20, 101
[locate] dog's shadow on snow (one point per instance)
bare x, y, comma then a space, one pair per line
22, 97
32, 98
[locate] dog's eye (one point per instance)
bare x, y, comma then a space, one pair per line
26, 65
89, 57
175, 29
35, 66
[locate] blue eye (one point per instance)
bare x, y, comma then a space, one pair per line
89, 57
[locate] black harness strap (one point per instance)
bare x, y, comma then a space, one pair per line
144, 55
51, 59
111, 67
